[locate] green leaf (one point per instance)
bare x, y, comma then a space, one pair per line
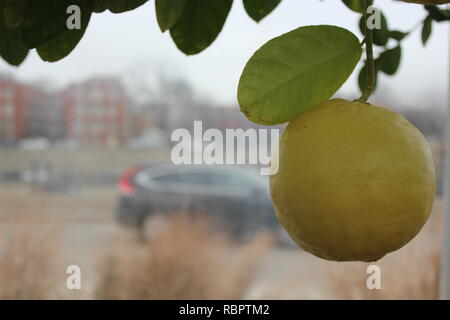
355, 5
43, 23
119, 6
200, 24
61, 46
397, 35
389, 61
438, 14
293, 72
362, 77
259, 9
11, 47
100, 5
426, 29
14, 11
380, 36
168, 12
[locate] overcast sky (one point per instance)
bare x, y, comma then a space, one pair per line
122, 44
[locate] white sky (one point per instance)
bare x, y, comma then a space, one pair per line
127, 43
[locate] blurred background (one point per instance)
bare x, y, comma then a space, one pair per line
85, 174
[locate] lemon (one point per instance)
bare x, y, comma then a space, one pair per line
355, 181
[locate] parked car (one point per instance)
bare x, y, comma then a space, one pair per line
34, 144
235, 198
150, 139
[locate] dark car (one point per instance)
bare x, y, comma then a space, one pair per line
236, 198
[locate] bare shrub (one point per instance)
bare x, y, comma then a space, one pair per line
185, 260
26, 263
412, 273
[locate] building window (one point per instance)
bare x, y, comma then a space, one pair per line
8, 110
9, 128
79, 94
95, 110
96, 128
79, 109
8, 95
79, 127
97, 95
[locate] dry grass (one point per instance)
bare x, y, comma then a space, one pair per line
186, 260
413, 276
27, 263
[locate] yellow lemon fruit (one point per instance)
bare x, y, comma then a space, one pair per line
355, 181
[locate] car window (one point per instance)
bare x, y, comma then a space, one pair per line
232, 181
173, 177
186, 178
214, 181
197, 178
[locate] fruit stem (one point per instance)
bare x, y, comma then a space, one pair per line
363, 42
370, 61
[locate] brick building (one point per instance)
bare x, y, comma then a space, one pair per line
16, 101
11, 112
95, 112
45, 117
27, 111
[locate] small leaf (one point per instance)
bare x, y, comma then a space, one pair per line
200, 24
355, 5
43, 23
14, 11
397, 35
100, 5
61, 46
293, 72
259, 9
389, 61
168, 12
438, 14
380, 36
119, 6
11, 47
426, 29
